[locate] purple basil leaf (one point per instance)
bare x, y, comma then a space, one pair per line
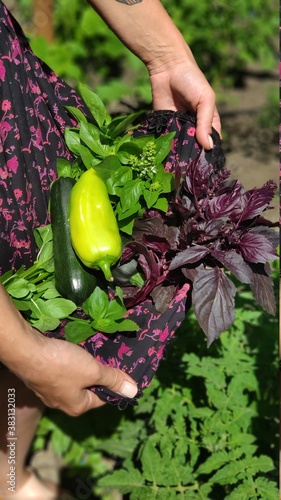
150, 266
191, 272
270, 234
213, 301
257, 200
189, 256
256, 248
162, 296
263, 290
229, 204
155, 230
156, 243
197, 176
211, 229
235, 263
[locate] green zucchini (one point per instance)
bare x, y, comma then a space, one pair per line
72, 279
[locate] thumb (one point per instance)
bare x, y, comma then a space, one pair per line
114, 379
118, 381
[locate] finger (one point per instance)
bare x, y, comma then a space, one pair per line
88, 401
216, 124
204, 119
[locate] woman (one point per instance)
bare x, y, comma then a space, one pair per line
36, 365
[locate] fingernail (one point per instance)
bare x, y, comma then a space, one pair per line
128, 389
211, 142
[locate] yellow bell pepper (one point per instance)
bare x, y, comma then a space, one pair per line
93, 227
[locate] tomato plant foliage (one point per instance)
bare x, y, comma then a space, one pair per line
206, 427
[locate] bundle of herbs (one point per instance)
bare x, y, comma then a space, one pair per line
195, 227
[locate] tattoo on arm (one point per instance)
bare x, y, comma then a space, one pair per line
129, 2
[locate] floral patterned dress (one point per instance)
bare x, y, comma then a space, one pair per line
33, 119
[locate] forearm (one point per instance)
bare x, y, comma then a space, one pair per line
18, 346
147, 30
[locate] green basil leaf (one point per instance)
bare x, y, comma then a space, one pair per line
107, 168
90, 135
77, 113
7, 276
166, 179
22, 305
64, 168
77, 331
118, 179
58, 308
161, 204
127, 225
96, 305
119, 293
133, 211
87, 158
124, 157
163, 146
50, 290
120, 124
120, 141
151, 197
115, 310
105, 325
43, 234
20, 288
45, 323
131, 194
141, 142
94, 104
72, 140
127, 325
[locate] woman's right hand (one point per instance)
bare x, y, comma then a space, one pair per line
57, 371
64, 371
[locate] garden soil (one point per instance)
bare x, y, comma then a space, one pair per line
250, 138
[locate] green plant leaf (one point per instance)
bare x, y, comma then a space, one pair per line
131, 212
131, 194
20, 288
125, 480
94, 104
45, 323
151, 197
90, 135
87, 158
241, 469
72, 140
120, 124
115, 310
58, 307
161, 204
126, 325
107, 168
77, 331
77, 114
253, 489
64, 168
97, 304
163, 146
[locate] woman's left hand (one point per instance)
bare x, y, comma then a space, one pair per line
183, 87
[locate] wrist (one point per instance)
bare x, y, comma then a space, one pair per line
165, 61
20, 344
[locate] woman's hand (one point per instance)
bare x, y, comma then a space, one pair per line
183, 87
61, 373
57, 371
177, 83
